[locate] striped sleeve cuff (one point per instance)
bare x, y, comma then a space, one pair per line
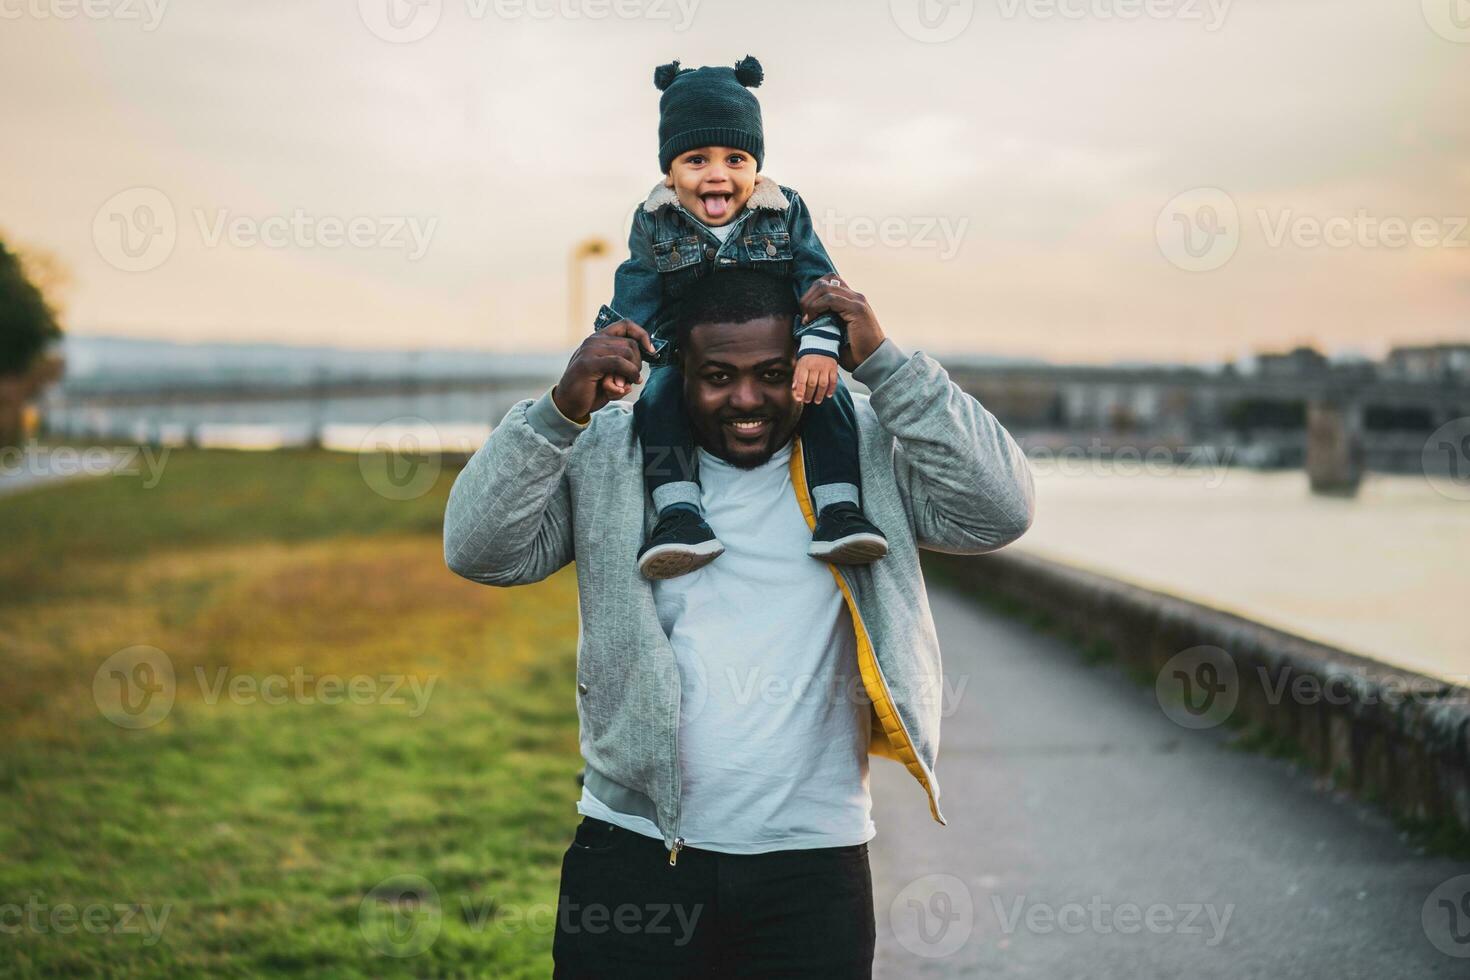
817, 344
544, 417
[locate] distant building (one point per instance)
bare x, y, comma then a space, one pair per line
1432, 363
1299, 362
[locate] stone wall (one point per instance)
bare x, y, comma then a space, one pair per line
1381, 732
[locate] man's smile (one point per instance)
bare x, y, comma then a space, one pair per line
748, 429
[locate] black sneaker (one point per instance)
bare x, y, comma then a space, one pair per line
681, 542
843, 535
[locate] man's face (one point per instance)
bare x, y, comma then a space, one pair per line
713, 183
737, 388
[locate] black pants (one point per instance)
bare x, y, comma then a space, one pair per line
624, 912
829, 441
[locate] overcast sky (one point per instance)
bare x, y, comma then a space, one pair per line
999, 176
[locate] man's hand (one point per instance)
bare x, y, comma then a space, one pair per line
605, 367
831, 294
815, 378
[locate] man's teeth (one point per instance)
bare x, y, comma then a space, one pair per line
749, 425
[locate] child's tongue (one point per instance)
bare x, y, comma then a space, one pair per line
715, 205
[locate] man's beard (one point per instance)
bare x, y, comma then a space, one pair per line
719, 447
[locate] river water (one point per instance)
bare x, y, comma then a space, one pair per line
1385, 574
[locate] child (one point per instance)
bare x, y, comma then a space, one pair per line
713, 211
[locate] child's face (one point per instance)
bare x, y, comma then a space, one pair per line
713, 182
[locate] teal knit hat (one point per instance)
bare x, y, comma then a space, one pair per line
709, 107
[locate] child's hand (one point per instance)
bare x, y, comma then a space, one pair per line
815, 378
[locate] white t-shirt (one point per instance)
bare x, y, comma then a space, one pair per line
773, 727
722, 232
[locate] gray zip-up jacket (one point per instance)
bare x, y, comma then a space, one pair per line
939, 472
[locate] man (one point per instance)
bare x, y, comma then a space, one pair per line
727, 716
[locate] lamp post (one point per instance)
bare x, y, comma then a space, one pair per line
585, 249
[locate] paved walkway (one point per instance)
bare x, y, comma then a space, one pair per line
1079, 815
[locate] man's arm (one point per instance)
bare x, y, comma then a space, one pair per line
968, 485
509, 517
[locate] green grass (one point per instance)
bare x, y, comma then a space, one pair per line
276, 838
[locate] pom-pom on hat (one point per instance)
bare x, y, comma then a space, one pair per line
709, 107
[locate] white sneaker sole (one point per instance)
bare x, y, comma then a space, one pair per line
855, 549
672, 560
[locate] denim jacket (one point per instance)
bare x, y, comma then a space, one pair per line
669, 248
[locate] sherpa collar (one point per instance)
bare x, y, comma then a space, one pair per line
767, 194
